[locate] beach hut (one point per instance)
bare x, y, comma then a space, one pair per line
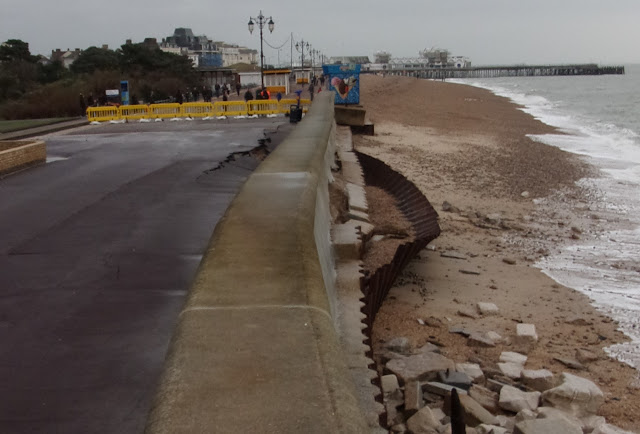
277, 80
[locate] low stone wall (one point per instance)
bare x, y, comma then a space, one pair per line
20, 154
256, 348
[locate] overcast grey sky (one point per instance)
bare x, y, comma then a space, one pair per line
486, 31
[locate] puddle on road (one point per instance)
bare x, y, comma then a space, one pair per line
53, 159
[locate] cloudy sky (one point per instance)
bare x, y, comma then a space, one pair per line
486, 31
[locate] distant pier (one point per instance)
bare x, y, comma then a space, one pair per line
423, 71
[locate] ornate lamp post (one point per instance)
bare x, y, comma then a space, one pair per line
261, 20
300, 47
314, 53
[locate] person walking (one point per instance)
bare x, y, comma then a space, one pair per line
248, 95
238, 87
83, 106
311, 89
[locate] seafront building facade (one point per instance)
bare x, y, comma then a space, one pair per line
205, 52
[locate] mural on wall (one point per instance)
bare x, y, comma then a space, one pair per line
344, 80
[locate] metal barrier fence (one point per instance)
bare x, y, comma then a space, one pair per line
194, 110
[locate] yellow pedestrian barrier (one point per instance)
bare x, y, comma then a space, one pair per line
132, 112
264, 107
305, 104
286, 104
197, 109
230, 108
171, 110
103, 114
194, 109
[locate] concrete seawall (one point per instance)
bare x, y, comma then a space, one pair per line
256, 349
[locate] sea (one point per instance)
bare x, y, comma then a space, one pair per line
600, 116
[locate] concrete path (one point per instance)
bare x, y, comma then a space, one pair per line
97, 251
44, 129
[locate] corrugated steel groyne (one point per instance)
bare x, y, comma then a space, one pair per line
422, 216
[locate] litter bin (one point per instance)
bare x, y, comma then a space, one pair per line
295, 114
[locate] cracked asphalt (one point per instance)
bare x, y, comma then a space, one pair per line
97, 251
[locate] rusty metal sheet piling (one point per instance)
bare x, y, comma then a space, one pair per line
423, 218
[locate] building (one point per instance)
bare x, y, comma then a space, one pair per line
201, 50
204, 52
233, 54
430, 58
439, 58
348, 60
66, 57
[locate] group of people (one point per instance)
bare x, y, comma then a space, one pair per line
313, 83
261, 94
207, 93
90, 101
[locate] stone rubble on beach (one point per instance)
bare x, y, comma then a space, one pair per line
509, 399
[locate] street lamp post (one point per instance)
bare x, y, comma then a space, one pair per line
261, 20
314, 53
300, 47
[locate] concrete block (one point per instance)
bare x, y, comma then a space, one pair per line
419, 367
413, 396
487, 309
485, 397
526, 337
546, 426
346, 240
368, 129
515, 400
510, 370
358, 215
576, 395
441, 389
478, 339
540, 379
455, 378
474, 413
352, 172
423, 421
350, 115
357, 197
473, 370
512, 357
389, 384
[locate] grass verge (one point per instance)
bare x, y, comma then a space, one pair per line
17, 125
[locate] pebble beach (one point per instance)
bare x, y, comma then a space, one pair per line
467, 150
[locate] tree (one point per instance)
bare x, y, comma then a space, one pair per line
15, 50
18, 69
94, 58
52, 72
137, 58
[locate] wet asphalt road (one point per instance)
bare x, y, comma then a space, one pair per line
97, 251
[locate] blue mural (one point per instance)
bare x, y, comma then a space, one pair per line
211, 60
344, 80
